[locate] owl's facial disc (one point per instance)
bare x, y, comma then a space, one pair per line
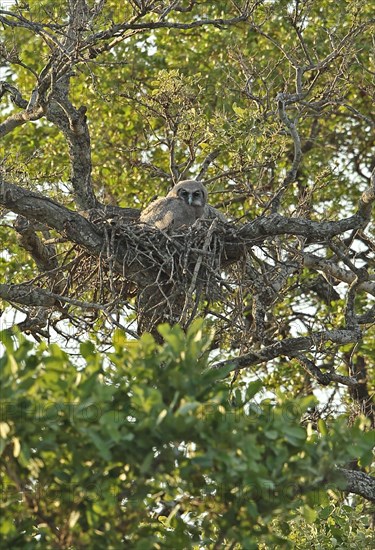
185, 195
191, 198
196, 198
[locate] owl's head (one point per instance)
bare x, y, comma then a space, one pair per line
192, 192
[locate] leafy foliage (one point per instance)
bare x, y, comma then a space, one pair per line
145, 446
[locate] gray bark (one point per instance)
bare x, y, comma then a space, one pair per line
359, 483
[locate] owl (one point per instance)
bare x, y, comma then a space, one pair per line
183, 205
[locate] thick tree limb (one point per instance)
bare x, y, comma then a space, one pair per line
359, 483
71, 121
368, 317
333, 270
35, 206
291, 347
29, 296
275, 224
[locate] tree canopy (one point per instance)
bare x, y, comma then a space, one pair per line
216, 386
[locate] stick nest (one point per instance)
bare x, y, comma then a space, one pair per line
149, 275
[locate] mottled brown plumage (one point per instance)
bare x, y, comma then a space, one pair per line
183, 205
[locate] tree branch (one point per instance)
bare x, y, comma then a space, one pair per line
359, 483
324, 378
291, 346
207, 162
330, 268
29, 296
275, 224
35, 206
44, 256
18, 119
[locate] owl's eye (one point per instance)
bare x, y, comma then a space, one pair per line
184, 193
197, 194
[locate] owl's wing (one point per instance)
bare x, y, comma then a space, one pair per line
159, 213
211, 213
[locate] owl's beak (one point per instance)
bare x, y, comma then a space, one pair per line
190, 200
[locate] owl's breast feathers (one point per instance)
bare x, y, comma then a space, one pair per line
163, 213
198, 211
183, 205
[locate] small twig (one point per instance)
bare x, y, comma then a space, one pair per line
207, 162
197, 267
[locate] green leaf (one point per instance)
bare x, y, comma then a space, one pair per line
322, 427
252, 389
309, 514
87, 349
